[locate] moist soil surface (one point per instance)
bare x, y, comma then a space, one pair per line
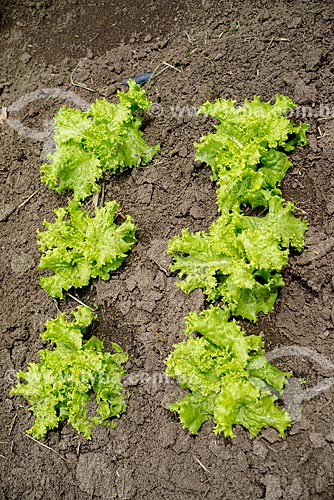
214, 49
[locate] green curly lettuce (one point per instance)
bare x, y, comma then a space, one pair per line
240, 187
245, 134
240, 259
247, 153
77, 247
105, 138
60, 387
228, 377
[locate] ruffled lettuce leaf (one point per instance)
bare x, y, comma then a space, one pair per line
244, 186
60, 387
72, 168
228, 376
241, 402
106, 137
115, 136
193, 411
70, 125
77, 247
279, 223
240, 259
216, 326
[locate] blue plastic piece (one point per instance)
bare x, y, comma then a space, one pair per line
140, 79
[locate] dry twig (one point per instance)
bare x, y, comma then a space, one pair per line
28, 199
79, 84
200, 463
77, 300
45, 446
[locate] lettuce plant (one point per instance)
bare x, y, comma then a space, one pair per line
240, 259
77, 247
60, 387
227, 375
105, 138
245, 134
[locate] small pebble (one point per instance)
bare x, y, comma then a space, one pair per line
270, 435
317, 440
25, 57
5, 211
110, 90
260, 450
183, 151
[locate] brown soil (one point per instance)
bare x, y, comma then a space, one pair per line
280, 47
